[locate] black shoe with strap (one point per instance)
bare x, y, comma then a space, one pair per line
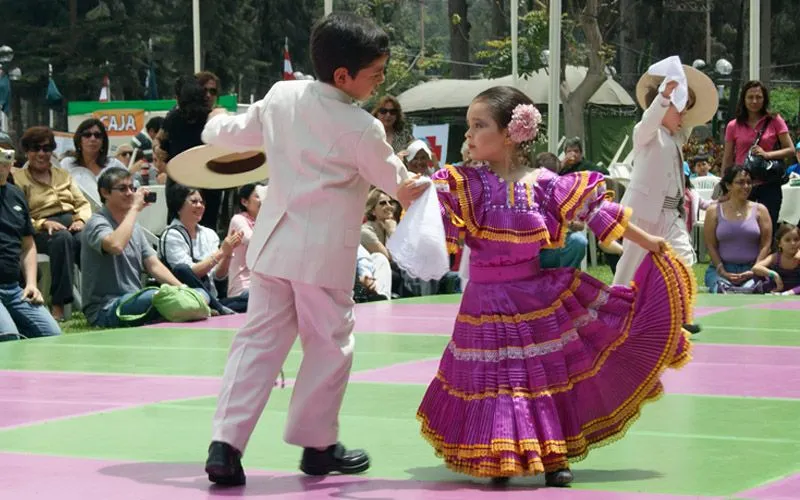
693, 329
224, 465
335, 458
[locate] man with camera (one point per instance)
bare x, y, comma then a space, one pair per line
21, 311
115, 253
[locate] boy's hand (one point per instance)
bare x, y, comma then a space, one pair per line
670, 87
410, 191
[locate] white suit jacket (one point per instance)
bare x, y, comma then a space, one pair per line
323, 154
654, 172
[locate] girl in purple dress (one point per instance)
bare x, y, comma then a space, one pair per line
543, 364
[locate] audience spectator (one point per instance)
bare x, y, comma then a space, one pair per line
419, 158
389, 112
91, 157
574, 160
143, 141
738, 233
752, 117
211, 86
782, 268
59, 212
373, 277
250, 197
114, 255
192, 251
701, 167
795, 168
21, 311
380, 223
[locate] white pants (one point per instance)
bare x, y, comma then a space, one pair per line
280, 309
672, 228
382, 274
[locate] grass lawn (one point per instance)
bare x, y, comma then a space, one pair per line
79, 324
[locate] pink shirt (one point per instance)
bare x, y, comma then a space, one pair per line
743, 136
238, 273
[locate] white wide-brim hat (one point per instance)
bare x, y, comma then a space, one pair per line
706, 100
213, 167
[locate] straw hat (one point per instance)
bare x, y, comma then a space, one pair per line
706, 100
213, 167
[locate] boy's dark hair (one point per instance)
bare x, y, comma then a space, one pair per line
547, 160
343, 40
108, 178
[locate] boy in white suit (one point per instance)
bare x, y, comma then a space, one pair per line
675, 98
323, 153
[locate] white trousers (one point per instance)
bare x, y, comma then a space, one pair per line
672, 228
279, 310
382, 275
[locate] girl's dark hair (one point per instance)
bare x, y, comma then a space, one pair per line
176, 197
741, 108
102, 156
501, 101
244, 193
730, 175
192, 104
342, 40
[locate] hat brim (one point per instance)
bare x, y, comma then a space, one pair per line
706, 100
213, 167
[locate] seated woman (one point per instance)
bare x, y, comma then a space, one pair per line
193, 252
91, 157
250, 198
59, 212
738, 233
782, 268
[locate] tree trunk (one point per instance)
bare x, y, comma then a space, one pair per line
739, 63
627, 54
459, 38
575, 102
500, 15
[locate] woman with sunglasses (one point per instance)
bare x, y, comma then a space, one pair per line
58, 209
91, 157
389, 112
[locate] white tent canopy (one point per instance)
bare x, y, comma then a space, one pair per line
443, 94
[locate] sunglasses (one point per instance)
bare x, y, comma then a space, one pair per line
42, 148
126, 153
384, 203
89, 135
390, 111
211, 90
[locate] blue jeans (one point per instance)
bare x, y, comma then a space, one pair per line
20, 318
107, 317
715, 282
570, 255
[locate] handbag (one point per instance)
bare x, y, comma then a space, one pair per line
176, 304
761, 169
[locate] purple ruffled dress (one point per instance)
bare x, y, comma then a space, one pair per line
544, 364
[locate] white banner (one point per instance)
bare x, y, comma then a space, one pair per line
436, 136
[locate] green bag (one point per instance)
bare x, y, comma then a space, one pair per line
173, 303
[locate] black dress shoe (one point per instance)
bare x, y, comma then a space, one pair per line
693, 329
224, 465
500, 481
559, 478
335, 458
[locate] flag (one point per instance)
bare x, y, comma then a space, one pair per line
151, 84
105, 92
288, 73
53, 95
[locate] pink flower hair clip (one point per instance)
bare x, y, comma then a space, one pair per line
524, 125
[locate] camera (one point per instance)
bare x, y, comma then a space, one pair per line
150, 197
6, 155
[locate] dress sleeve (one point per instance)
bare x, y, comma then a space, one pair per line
447, 182
582, 196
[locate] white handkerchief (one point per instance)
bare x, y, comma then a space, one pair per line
672, 70
418, 244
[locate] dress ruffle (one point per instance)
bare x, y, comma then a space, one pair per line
541, 370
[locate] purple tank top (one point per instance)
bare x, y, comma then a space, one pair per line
738, 241
790, 277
